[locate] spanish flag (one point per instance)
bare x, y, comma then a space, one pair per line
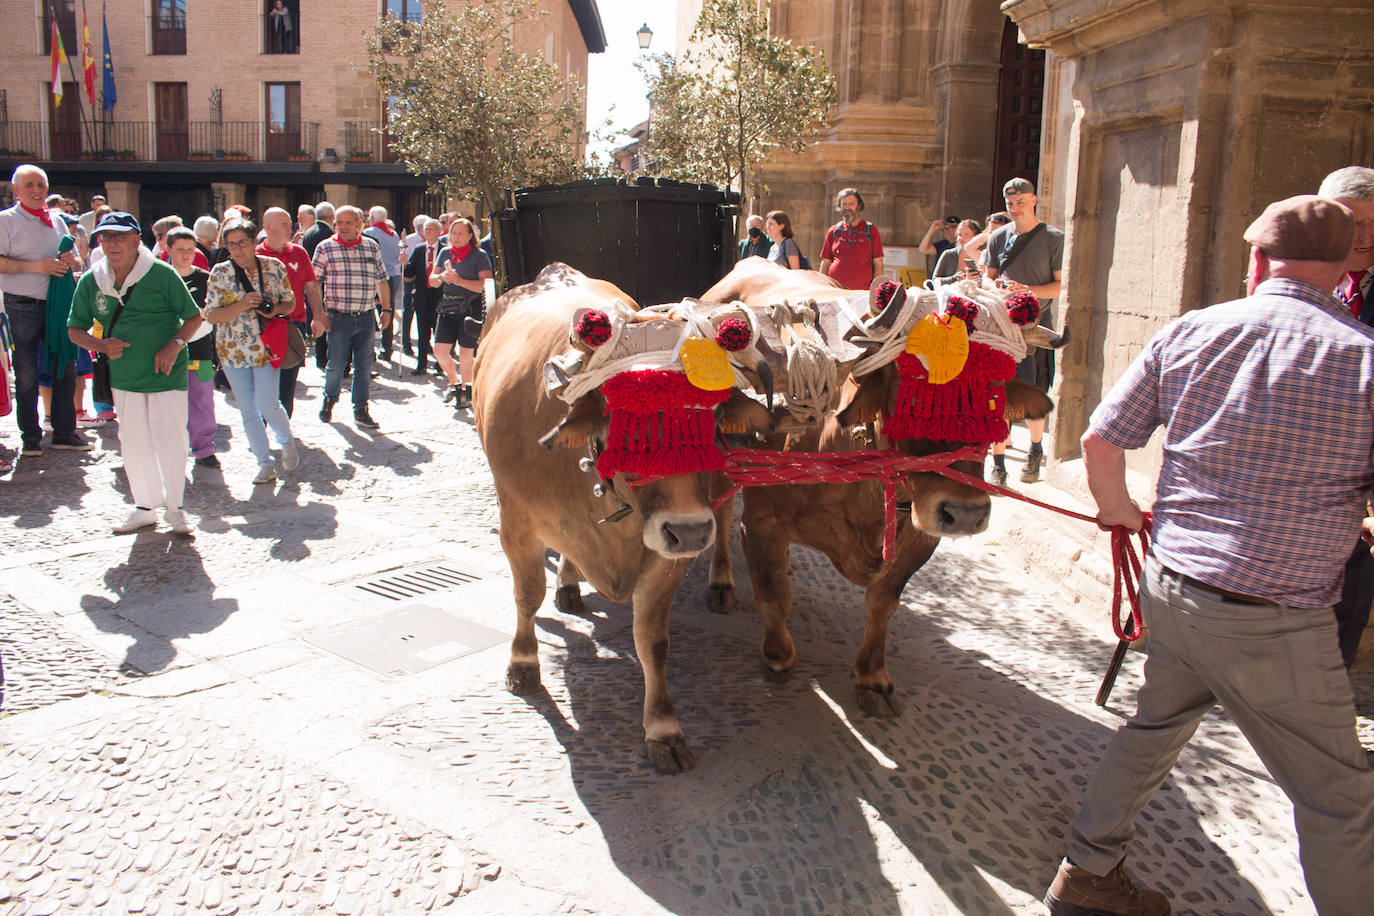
87, 57
59, 57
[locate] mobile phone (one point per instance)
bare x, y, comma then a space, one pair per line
969, 263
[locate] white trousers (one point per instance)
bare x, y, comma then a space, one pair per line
153, 442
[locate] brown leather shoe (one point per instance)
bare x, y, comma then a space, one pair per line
1076, 892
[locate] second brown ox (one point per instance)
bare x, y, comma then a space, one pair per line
845, 521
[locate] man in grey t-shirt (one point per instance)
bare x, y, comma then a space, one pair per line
1037, 268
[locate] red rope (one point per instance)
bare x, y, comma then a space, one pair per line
760, 468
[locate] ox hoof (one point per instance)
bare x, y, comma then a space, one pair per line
523, 679
777, 675
568, 599
878, 702
720, 598
669, 757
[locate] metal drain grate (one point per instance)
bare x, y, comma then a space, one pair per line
411, 583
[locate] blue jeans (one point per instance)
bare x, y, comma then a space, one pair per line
350, 334
27, 326
255, 391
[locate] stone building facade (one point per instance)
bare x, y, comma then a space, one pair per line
216, 107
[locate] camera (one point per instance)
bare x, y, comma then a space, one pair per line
952, 220
265, 308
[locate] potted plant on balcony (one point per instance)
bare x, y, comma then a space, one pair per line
126, 155
299, 155
199, 155
360, 155
92, 155
236, 155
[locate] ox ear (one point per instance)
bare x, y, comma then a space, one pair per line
585, 418
868, 401
1026, 401
741, 414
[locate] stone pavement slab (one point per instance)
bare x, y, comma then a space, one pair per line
173, 741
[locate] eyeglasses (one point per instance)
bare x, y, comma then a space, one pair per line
241, 243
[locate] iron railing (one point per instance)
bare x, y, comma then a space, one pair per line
362, 140
232, 141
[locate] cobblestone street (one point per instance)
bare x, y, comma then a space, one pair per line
303, 708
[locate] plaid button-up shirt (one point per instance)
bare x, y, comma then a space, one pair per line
349, 276
1269, 442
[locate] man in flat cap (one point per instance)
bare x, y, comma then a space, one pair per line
1266, 403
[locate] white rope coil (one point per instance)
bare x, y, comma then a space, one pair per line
812, 381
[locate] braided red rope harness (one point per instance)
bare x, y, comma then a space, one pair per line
760, 468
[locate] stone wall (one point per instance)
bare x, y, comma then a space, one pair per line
1183, 121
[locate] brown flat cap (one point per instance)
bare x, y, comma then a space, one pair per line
1304, 228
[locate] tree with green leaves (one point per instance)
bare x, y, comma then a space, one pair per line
736, 95
466, 106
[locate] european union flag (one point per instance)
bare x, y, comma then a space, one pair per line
108, 88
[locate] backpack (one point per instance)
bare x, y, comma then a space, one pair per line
802, 262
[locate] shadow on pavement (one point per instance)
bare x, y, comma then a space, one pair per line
801, 803
164, 594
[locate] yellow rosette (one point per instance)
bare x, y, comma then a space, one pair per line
706, 364
942, 344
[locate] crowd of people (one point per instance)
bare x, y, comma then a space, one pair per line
227, 303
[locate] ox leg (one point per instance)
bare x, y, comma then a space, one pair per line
568, 597
664, 741
765, 550
526, 557
720, 593
873, 688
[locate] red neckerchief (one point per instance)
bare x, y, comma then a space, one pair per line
1354, 299
353, 244
460, 254
43, 214
384, 227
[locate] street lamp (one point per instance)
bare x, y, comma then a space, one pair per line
645, 35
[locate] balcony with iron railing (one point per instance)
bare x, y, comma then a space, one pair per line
363, 141
145, 141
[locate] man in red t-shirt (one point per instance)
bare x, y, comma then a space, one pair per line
276, 222
853, 251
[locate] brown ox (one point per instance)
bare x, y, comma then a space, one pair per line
546, 500
845, 521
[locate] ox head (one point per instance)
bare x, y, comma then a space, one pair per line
941, 376
650, 394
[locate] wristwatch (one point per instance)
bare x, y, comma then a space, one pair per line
182, 342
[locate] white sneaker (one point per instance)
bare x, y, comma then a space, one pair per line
177, 519
139, 518
266, 474
289, 456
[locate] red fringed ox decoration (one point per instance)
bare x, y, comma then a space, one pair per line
660, 425
734, 334
967, 409
1024, 308
593, 328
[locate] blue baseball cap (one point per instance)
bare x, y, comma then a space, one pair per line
117, 221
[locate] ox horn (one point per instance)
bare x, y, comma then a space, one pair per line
1037, 335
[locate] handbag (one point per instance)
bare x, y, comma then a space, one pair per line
295, 347
275, 333
100, 363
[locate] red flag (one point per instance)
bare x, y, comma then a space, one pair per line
87, 57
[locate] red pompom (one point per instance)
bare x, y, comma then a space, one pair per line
886, 290
1024, 308
961, 308
734, 334
593, 328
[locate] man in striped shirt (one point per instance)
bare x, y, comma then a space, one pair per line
349, 268
1266, 402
